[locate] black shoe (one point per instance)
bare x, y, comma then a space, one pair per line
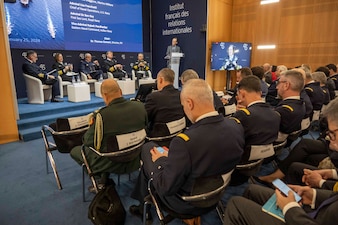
137, 210
56, 100
256, 180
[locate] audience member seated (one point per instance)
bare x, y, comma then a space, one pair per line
62, 68
330, 83
333, 73
211, 146
260, 123
259, 72
192, 74
314, 91
141, 67
30, 67
240, 74
321, 78
291, 108
111, 65
267, 73
164, 105
89, 68
313, 209
119, 116
272, 97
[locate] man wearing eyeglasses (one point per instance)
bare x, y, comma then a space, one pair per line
291, 108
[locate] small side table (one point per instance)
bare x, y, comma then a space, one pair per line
127, 86
78, 92
98, 89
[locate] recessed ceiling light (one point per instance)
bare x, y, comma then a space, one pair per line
266, 46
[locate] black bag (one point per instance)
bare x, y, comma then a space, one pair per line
106, 208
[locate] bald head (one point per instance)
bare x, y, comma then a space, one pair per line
197, 99
110, 90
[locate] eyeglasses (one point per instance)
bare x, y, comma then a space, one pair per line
331, 135
280, 81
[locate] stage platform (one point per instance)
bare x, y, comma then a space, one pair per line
33, 116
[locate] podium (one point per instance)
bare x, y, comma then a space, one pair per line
175, 65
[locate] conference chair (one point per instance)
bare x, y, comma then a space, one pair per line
120, 148
90, 82
206, 195
63, 135
37, 92
229, 110
63, 87
167, 131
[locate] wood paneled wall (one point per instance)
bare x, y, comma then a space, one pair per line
8, 113
304, 31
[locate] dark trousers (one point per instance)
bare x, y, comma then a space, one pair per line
55, 86
307, 150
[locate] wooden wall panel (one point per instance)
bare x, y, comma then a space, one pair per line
8, 127
304, 31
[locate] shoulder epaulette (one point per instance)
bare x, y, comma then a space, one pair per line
310, 89
324, 91
247, 112
234, 118
333, 78
183, 136
288, 107
335, 187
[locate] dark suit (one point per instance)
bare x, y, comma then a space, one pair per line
90, 68
171, 49
60, 70
308, 105
261, 126
247, 210
118, 117
316, 94
332, 87
272, 95
335, 80
292, 112
268, 77
162, 107
191, 155
327, 97
109, 66
34, 70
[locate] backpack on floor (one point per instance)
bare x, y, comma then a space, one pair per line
106, 208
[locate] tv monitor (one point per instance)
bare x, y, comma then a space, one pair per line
144, 90
230, 55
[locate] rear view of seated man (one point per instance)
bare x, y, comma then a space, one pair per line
111, 65
164, 105
141, 67
30, 67
260, 122
119, 116
212, 146
314, 91
291, 108
89, 68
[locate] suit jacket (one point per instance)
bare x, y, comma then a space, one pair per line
331, 86
326, 215
162, 107
136, 66
193, 155
261, 125
60, 70
87, 67
316, 94
170, 49
109, 65
307, 101
292, 112
335, 80
34, 70
327, 97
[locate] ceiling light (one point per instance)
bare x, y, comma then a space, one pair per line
263, 2
266, 46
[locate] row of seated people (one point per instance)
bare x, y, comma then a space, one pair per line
90, 67
166, 105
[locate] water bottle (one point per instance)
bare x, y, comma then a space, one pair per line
78, 79
101, 78
73, 80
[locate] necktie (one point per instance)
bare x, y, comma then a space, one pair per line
324, 203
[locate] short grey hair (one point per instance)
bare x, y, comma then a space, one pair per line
320, 77
198, 90
189, 74
331, 111
282, 68
295, 78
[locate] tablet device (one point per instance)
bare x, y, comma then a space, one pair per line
285, 189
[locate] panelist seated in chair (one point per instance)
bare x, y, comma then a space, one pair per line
30, 67
118, 117
211, 146
260, 123
141, 67
164, 105
62, 68
90, 69
111, 65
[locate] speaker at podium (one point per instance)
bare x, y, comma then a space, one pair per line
174, 64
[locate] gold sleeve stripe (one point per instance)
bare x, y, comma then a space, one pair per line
335, 187
288, 107
183, 136
310, 89
237, 120
247, 112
